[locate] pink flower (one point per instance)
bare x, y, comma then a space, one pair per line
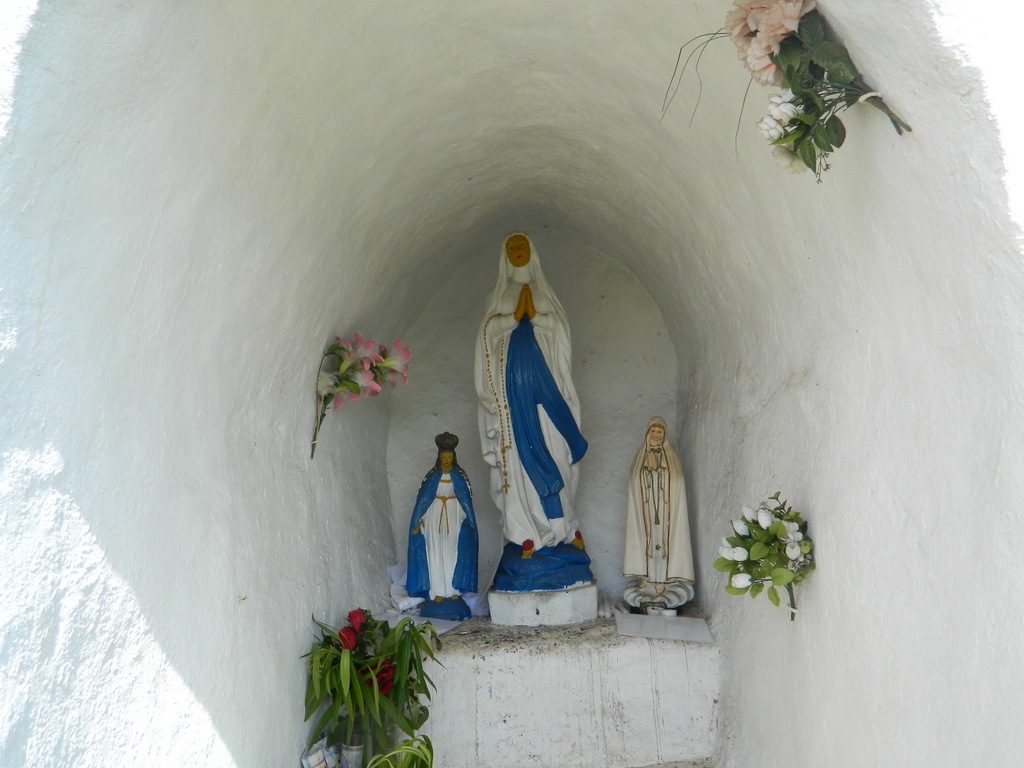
360, 349
342, 396
396, 364
757, 27
364, 379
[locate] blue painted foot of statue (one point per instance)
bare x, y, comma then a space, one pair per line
450, 609
550, 568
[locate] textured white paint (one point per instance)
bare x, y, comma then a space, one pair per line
15, 16
62, 607
197, 196
543, 609
571, 697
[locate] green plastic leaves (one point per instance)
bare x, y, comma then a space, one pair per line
823, 81
775, 552
834, 60
782, 576
759, 550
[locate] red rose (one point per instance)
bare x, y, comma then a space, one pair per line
357, 619
347, 637
386, 677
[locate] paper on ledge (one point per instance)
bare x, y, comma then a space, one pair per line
693, 629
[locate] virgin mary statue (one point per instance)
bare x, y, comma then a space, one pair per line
657, 552
443, 537
529, 425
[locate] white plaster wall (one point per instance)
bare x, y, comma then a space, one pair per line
197, 196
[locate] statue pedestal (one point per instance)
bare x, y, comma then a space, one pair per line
573, 605
574, 697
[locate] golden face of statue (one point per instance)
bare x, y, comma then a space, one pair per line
447, 459
656, 435
517, 249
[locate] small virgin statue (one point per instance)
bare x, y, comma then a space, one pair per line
443, 538
657, 553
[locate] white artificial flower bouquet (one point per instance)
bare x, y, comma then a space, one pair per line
787, 44
769, 548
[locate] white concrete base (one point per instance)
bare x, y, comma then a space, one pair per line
544, 608
580, 696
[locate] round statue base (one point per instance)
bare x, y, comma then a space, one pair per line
544, 608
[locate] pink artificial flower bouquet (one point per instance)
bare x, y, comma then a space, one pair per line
358, 368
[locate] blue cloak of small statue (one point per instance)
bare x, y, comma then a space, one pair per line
443, 538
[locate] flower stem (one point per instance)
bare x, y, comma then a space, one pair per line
897, 122
316, 431
323, 408
792, 602
367, 740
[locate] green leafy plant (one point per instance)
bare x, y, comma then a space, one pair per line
769, 548
368, 678
822, 81
784, 43
417, 752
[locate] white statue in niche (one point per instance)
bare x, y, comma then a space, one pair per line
529, 426
657, 552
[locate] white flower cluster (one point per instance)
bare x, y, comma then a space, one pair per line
788, 159
766, 550
764, 518
772, 126
781, 110
738, 554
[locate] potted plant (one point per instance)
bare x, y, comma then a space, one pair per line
367, 679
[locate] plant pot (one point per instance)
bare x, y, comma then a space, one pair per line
353, 755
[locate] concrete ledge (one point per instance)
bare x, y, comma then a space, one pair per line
544, 608
580, 696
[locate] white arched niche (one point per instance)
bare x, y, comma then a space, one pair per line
624, 368
261, 180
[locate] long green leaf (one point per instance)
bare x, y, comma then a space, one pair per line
395, 715
312, 702
344, 673
793, 135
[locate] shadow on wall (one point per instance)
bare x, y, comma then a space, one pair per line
81, 668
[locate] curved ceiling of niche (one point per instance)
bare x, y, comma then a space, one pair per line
512, 120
